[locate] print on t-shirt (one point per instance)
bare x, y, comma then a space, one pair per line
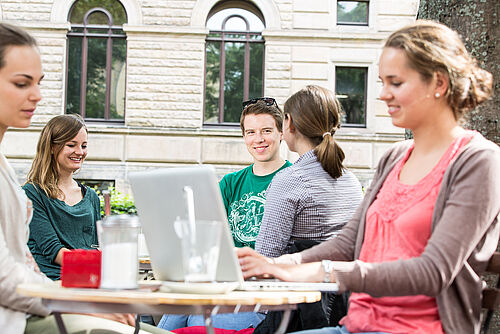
246, 216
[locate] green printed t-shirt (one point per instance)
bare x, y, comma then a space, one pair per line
244, 196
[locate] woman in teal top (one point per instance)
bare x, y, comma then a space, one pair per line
65, 212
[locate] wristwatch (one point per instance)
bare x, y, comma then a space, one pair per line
327, 267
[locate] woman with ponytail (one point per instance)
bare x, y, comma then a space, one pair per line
315, 197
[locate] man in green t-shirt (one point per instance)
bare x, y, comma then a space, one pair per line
244, 191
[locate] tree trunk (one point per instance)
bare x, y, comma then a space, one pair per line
478, 22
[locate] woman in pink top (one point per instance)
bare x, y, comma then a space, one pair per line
413, 253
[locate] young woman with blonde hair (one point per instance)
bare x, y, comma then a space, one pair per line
64, 211
414, 252
316, 196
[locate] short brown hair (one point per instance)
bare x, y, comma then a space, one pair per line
432, 47
260, 107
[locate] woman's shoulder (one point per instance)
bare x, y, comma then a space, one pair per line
395, 152
286, 173
480, 144
479, 152
32, 190
91, 192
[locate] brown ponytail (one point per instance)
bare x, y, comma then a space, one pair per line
315, 113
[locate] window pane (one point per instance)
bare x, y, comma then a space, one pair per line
118, 78
103, 31
350, 83
98, 18
235, 23
215, 21
96, 78
231, 74
233, 81
256, 70
212, 82
235, 36
74, 75
352, 12
81, 7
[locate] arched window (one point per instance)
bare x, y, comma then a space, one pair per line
97, 47
234, 63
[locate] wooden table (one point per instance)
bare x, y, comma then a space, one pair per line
145, 301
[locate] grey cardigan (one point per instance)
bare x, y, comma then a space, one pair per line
465, 232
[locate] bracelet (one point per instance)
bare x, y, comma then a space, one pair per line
327, 267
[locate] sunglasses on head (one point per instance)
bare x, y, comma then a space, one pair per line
268, 100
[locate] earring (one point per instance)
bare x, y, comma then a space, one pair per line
437, 95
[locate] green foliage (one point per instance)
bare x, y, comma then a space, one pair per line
119, 203
81, 7
352, 11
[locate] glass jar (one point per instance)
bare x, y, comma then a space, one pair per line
118, 244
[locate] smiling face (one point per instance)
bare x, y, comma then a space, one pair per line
73, 153
262, 137
410, 99
19, 86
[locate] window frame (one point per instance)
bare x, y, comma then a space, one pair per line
365, 111
222, 64
109, 35
357, 24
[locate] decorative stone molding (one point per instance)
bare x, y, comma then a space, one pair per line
60, 11
267, 7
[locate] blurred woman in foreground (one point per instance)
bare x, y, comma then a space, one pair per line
20, 77
413, 253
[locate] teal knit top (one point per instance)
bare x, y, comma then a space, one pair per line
56, 225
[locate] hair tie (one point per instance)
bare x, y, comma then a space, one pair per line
326, 133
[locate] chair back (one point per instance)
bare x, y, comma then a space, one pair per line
491, 296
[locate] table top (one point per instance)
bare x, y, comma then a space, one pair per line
145, 295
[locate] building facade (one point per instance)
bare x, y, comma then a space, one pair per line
160, 82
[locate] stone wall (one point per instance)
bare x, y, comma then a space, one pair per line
165, 78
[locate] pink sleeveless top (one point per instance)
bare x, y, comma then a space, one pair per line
398, 225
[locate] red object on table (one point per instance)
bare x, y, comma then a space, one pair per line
81, 268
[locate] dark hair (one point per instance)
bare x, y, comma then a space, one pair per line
315, 113
13, 36
433, 47
260, 107
55, 134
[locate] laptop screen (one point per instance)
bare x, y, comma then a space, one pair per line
159, 198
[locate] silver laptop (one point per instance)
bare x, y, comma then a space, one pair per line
159, 199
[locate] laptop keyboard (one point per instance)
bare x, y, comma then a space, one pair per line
290, 286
